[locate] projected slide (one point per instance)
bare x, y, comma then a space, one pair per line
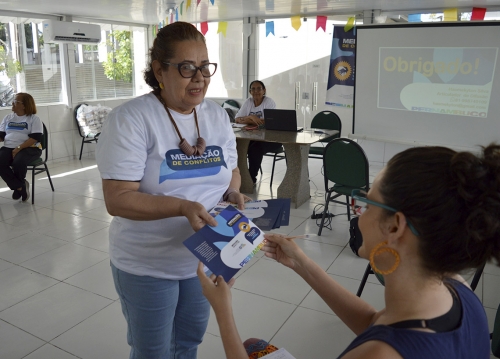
440, 80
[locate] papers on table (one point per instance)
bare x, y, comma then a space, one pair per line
266, 215
239, 125
229, 246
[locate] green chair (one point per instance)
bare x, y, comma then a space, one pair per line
40, 165
326, 120
232, 107
345, 164
277, 155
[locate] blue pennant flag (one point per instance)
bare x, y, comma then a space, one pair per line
269, 28
176, 14
212, 1
414, 18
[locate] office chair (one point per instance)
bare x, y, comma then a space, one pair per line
35, 166
345, 164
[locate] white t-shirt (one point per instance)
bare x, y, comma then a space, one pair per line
17, 128
138, 142
248, 108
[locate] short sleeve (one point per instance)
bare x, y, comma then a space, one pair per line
36, 125
2, 124
121, 152
270, 104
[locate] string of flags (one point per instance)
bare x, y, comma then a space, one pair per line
450, 14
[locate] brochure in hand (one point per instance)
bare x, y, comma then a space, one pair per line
227, 247
266, 215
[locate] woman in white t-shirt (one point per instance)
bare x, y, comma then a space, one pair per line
21, 132
166, 158
252, 113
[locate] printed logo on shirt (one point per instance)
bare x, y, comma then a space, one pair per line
257, 113
17, 126
177, 165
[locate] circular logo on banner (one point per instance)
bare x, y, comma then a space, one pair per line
244, 227
342, 70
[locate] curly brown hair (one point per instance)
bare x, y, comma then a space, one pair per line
452, 199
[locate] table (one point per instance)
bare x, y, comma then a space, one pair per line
295, 185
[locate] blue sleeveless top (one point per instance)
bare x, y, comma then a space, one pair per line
470, 340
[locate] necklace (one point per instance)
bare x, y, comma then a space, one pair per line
184, 145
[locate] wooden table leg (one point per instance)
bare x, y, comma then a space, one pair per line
295, 185
246, 180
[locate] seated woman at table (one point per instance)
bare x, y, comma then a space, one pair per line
429, 215
252, 113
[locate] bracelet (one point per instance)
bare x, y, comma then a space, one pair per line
228, 192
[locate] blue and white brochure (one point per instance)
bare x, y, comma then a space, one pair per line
227, 247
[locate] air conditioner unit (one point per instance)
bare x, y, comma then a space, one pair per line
63, 31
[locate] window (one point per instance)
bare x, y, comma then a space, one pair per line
27, 64
114, 67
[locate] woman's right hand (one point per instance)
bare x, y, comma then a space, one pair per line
284, 250
197, 215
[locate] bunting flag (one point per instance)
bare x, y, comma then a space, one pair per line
321, 23
177, 14
155, 30
350, 23
172, 17
269, 5
212, 1
415, 18
198, 2
451, 14
478, 13
204, 27
296, 22
222, 27
188, 4
269, 28
182, 5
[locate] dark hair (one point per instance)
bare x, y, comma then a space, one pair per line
259, 82
28, 102
453, 201
164, 46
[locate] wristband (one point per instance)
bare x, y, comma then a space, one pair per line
228, 192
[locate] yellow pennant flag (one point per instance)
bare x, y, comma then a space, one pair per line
296, 22
350, 24
451, 14
188, 5
222, 27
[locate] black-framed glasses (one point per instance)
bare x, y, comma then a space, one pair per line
360, 195
188, 70
16, 102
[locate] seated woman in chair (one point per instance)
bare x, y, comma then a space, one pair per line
21, 132
252, 113
430, 214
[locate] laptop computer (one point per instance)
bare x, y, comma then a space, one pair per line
281, 120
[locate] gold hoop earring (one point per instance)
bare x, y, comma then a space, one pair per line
378, 250
161, 86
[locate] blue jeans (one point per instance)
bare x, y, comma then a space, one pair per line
166, 319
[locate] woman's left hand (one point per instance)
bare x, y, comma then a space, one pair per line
215, 289
239, 199
15, 151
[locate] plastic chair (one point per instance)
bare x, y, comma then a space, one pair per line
36, 166
345, 164
326, 120
495, 335
86, 137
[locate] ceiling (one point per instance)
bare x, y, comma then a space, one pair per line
151, 11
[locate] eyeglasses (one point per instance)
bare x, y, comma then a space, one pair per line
188, 70
256, 89
14, 102
360, 195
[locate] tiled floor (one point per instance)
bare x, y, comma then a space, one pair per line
57, 299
